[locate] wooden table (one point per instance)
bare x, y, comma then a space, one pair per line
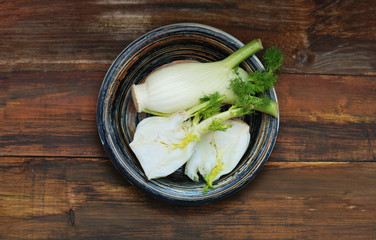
56, 181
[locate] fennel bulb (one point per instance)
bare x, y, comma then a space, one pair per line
179, 86
164, 144
154, 144
219, 152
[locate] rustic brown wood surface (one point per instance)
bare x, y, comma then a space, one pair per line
56, 181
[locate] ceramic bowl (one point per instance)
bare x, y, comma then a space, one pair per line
117, 118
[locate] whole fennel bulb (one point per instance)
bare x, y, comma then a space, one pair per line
218, 152
178, 86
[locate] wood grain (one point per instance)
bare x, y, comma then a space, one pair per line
49, 114
55, 198
326, 118
56, 181
322, 117
320, 37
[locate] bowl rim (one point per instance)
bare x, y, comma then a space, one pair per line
108, 143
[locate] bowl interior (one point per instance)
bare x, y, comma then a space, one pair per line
117, 117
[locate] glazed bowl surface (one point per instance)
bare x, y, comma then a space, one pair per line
117, 117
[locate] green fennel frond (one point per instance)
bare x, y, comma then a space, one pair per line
213, 107
248, 92
273, 59
261, 81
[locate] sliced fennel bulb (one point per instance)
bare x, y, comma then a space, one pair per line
164, 144
218, 152
154, 144
179, 86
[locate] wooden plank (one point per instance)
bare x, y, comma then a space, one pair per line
49, 114
317, 37
326, 118
54, 114
55, 198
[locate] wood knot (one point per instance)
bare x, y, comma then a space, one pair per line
71, 216
301, 57
26, 166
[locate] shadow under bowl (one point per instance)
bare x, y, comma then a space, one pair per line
117, 117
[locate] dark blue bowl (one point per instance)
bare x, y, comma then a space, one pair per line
117, 118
